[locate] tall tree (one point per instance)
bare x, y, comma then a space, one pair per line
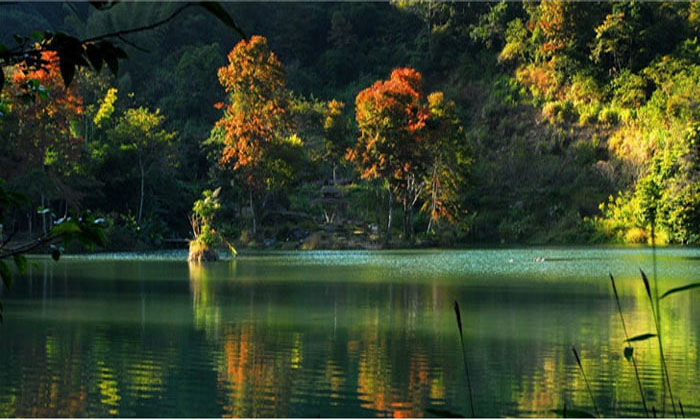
139, 132
391, 117
449, 155
39, 130
256, 122
336, 128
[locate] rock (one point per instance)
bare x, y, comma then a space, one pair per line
199, 253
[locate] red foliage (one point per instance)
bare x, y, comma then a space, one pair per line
391, 116
256, 113
44, 110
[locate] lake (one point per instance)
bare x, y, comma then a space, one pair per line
345, 334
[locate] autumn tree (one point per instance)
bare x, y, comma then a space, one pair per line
391, 119
39, 128
256, 125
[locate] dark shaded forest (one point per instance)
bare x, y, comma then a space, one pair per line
462, 123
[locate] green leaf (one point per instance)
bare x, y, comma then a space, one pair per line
67, 66
641, 337
680, 289
37, 35
65, 228
21, 263
576, 414
6, 275
2, 79
95, 235
629, 351
218, 11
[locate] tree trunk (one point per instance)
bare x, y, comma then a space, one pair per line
406, 235
252, 211
387, 238
43, 214
142, 190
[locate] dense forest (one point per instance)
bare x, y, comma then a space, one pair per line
350, 125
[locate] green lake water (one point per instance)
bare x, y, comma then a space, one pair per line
344, 333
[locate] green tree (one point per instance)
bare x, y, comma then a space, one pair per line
337, 139
139, 133
449, 158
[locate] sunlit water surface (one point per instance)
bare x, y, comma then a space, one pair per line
349, 334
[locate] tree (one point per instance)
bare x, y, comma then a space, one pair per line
206, 238
38, 57
40, 122
256, 120
40, 129
336, 128
391, 117
139, 132
448, 158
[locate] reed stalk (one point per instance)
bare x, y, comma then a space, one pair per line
627, 338
585, 379
464, 357
655, 315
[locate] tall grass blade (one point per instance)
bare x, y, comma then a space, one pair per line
585, 379
629, 351
655, 314
680, 289
680, 404
464, 356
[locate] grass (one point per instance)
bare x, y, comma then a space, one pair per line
654, 300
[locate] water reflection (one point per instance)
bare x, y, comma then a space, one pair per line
270, 337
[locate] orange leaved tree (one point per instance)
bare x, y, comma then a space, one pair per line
256, 119
391, 117
43, 110
38, 128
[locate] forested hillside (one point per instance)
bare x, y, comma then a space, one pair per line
445, 123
